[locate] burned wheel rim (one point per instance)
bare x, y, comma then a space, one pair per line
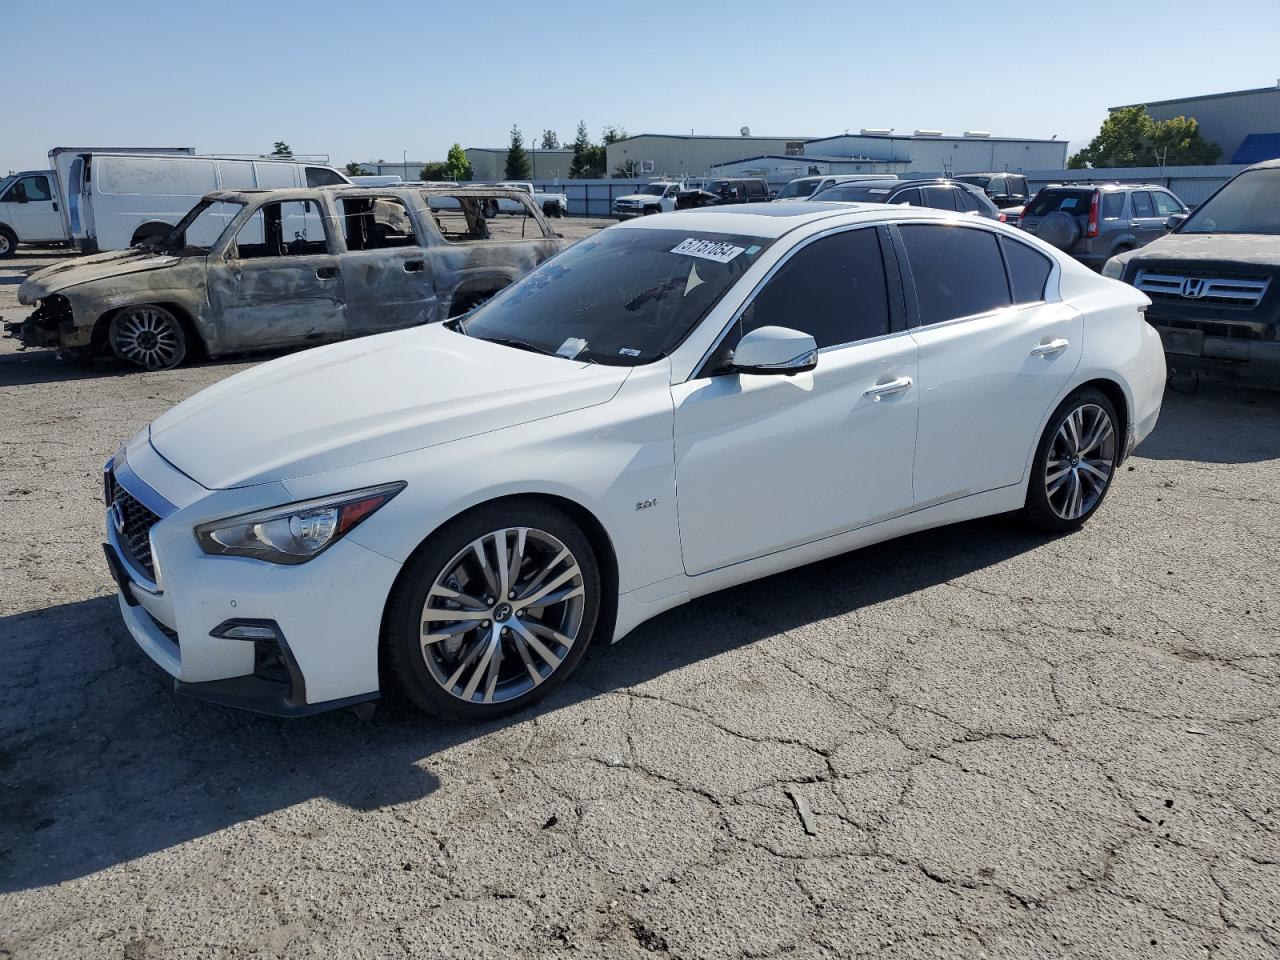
502, 615
149, 336
1081, 461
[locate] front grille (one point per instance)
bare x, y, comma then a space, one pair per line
1245, 292
133, 523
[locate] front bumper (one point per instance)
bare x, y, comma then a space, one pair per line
1238, 359
325, 615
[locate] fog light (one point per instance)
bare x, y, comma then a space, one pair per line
246, 630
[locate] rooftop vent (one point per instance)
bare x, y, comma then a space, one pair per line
745, 132
928, 133
978, 134
876, 131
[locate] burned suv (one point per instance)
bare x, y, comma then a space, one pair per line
1214, 281
257, 269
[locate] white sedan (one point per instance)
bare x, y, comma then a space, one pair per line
675, 405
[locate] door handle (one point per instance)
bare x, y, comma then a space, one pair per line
888, 389
326, 273
413, 266
55, 206
1051, 348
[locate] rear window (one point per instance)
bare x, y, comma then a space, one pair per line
857, 192
958, 271
1028, 270
1075, 202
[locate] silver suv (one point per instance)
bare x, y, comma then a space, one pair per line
1094, 223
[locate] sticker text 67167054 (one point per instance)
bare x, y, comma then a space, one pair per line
718, 250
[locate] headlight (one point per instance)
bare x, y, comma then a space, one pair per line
293, 532
1113, 268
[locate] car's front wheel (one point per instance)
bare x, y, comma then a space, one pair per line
1074, 463
493, 611
148, 335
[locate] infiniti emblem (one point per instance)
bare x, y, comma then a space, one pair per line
502, 612
1192, 287
117, 517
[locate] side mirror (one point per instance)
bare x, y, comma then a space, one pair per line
775, 350
1173, 222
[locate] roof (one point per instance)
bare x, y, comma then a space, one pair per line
769, 221
794, 158
1203, 96
1257, 147
933, 139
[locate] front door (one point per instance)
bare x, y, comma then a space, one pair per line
769, 462
33, 209
280, 282
386, 273
994, 356
1147, 223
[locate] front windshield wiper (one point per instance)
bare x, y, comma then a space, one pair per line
523, 345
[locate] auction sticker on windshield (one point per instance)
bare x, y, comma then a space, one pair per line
716, 250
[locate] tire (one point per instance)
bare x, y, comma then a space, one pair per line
490, 209
1073, 467
8, 243
148, 336
453, 676
1059, 229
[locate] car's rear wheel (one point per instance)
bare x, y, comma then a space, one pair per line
8, 243
493, 611
1074, 463
148, 335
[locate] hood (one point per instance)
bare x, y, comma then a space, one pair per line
1230, 248
369, 398
100, 266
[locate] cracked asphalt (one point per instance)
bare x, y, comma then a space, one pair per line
1008, 746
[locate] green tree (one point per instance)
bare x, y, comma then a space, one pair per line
281, 149
457, 165
550, 140
1129, 137
518, 167
436, 170
355, 170
580, 168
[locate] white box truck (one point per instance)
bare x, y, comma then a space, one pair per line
116, 199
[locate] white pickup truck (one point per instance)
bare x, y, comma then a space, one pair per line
551, 204
661, 196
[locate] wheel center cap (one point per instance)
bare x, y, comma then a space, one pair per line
1075, 459
502, 612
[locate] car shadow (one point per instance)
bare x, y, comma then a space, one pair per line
1216, 423
35, 366
102, 763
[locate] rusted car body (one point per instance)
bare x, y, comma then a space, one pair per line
250, 270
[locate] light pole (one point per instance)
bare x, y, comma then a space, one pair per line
404, 162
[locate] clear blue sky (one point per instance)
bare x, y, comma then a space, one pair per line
363, 81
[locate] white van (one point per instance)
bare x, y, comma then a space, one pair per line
30, 210
115, 200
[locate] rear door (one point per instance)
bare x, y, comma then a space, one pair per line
994, 356
1147, 224
386, 273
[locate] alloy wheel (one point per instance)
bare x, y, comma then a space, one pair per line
147, 336
1080, 462
502, 615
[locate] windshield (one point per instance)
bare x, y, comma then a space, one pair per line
975, 180
798, 188
1248, 204
4, 184
855, 192
623, 297
654, 189
200, 228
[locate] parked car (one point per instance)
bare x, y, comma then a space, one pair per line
937, 193
115, 200
1214, 281
551, 204
693, 195
738, 189
802, 187
1004, 189
661, 196
30, 210
678, 404
265, 269
1010, 215
1095, 222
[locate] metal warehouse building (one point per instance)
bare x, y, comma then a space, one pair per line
1244, 123
490, 163
870, 151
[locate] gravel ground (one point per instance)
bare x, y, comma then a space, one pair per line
1005, 745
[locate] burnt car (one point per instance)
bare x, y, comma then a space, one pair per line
1214, 281
263, 269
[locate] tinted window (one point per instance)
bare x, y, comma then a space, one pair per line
756, 189
320, 177
1028, 270
1142, 206
1166, 203
958, 271
998, 185
833, 289
1075, 202
1018, 185
1112, 206
940, 198
910, 198
797, 189
968, 202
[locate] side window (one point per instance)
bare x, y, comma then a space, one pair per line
1028, 270
756, 190
940, 198
1112, 206
958, 271
833, 289
291, 228
1142, 206
475, 218
376, 223
1019, 186
997, 187
320, 177
1167, 204
36, 188
910, 198
968, 202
